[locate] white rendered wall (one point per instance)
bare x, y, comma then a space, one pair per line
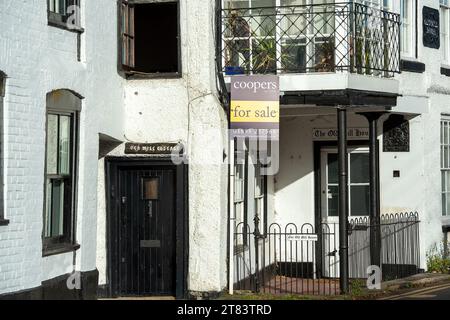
185, 110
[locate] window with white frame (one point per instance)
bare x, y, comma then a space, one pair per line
407, 13
445, 165
445, 30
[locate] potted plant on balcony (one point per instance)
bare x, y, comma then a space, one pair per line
325, 57
236, 46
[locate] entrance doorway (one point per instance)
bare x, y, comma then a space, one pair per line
328, 196
147, 234
358, 183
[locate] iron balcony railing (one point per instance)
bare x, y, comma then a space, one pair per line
333, 37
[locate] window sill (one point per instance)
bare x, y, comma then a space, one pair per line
61, 25
143, 76
445, 70
4, 222
412, 66
57, 249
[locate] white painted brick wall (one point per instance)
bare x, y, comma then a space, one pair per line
38, 59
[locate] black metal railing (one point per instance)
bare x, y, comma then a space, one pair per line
291, 259
400, 248
330, 37
304, 259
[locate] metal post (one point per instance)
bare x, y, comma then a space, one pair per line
232, 220
343, 199
257, 236
375, 228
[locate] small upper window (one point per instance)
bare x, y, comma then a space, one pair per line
149, 32
445, 30
407, 13
64, 13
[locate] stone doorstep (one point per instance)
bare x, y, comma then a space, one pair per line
415, 281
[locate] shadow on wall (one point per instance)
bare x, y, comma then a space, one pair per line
297, 146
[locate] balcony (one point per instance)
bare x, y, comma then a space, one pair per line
349, 42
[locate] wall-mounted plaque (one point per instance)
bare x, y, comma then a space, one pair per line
396, 135
431, 25
153, 148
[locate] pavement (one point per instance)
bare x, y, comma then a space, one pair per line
425, 286
418, 280
437, 292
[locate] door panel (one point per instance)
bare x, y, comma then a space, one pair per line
358, 180
147, 231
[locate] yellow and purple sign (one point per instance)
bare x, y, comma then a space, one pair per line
255, 107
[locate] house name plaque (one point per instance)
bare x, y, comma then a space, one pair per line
431, 26
323, 134
153, 148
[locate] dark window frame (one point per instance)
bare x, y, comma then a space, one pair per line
3, 221
127, 69
59, 20
66, 242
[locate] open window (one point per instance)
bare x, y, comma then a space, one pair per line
149, 38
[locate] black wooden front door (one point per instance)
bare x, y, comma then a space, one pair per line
147, 249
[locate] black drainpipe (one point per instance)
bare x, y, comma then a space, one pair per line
343, 199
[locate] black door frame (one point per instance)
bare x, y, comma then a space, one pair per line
112, 165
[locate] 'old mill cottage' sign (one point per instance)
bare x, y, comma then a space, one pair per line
431, 32
153, 148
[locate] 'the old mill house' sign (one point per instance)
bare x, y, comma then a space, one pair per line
431, 34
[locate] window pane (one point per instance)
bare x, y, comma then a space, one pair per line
446, 154
447, 198
64, 145
447, 182
359, 168
48, 211
443, 184
235, 4
259, 182
446, 132
359, 200
444, 201
333, 168
55, 209
52, 144
333, 201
